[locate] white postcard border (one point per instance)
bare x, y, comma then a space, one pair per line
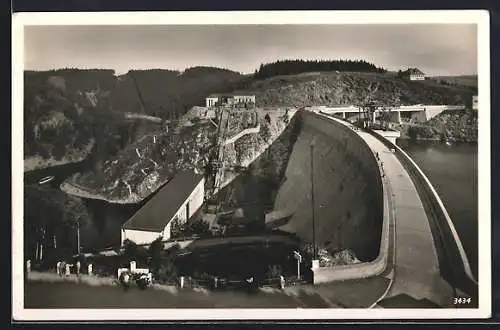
479, 17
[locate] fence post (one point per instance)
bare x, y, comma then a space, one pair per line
132, 266
89, 268
182, 281
58, 268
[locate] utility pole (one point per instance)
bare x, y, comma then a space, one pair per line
78, 234
312, 200
359, 116
298, 257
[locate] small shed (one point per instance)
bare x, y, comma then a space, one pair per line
177, 201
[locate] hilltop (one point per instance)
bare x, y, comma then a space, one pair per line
334, 88
288, 67
71, 113
164, 93
465, 80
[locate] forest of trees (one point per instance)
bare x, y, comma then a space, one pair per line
92, 103
287, 67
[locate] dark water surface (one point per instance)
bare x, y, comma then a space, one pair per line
452, 170
107, 218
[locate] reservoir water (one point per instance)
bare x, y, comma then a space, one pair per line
452, 169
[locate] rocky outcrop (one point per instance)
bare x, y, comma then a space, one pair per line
249, 147
333, 88
144, 166
330, 259
456, 126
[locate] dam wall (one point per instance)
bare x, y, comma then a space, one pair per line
348, 189
453, 263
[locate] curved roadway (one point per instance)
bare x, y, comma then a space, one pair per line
416, 278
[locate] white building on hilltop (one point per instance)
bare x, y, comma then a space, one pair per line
414, 74
228, 99
474, 102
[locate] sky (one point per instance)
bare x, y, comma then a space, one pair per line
439, 49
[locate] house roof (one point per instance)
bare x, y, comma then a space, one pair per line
414, 71
160, 209
229, 94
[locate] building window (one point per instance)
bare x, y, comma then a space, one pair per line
175, 227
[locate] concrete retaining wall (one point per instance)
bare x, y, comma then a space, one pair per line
253, 130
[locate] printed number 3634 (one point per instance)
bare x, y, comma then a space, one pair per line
461, 301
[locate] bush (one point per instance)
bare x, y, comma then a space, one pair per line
199, 227
274, 271
166, 273
59, 150
161, 261
132, 251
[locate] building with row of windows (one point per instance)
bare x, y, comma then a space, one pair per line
413, 74
228, 99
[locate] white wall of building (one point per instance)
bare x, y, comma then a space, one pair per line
244, 98
210, 101
417, 77
195, 201
167, 231
139, 236
474, 102
197, 197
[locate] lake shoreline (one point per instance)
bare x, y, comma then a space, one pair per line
407, 138
37, 162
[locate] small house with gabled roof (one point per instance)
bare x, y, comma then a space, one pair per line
414, 74
176, 202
